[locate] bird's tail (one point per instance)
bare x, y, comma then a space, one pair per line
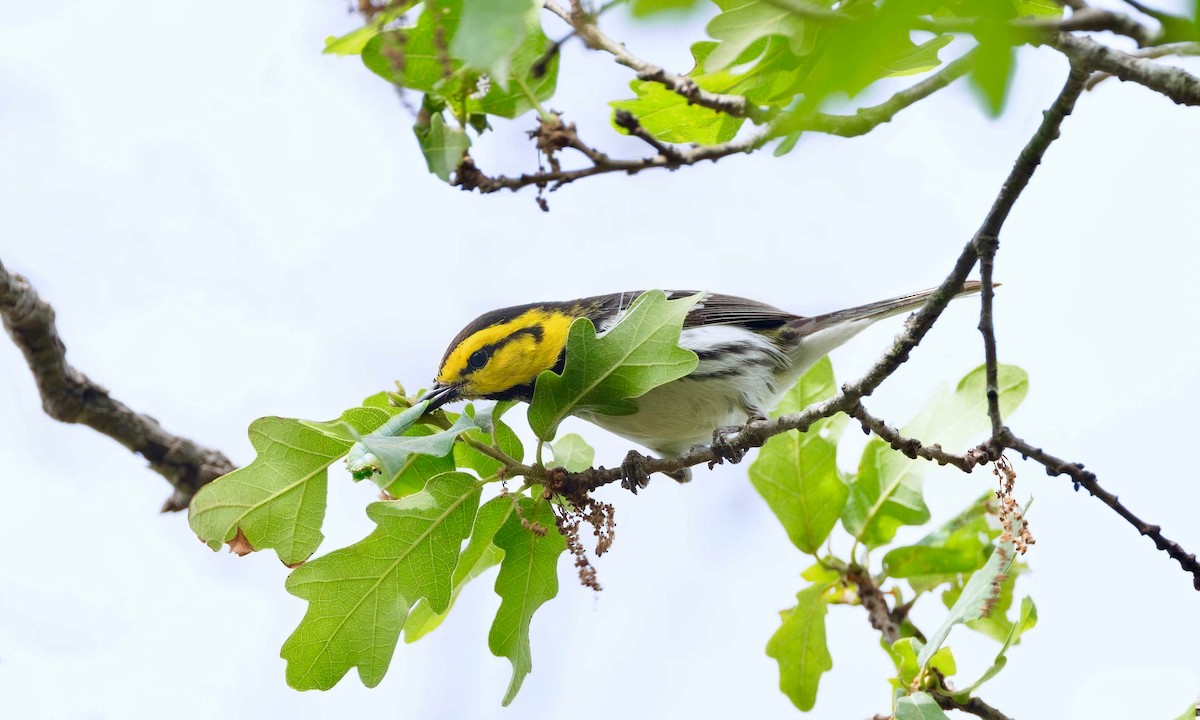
876, 310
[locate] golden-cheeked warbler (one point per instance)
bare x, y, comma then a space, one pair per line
749, 353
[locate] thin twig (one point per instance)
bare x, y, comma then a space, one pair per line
913, 448
987, 247
1087, 479
594, 38
69, 396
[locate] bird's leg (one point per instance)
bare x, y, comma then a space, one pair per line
633, 468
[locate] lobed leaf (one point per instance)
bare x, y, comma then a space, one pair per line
604, 374
480, 554
800, 648
359, 596
797, 473
528, 578
741, 25
278, 500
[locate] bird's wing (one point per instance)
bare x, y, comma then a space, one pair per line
717, 309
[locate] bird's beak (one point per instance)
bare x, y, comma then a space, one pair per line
439, 395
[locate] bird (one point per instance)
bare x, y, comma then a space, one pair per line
749, 355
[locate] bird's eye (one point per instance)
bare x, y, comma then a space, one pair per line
478, 359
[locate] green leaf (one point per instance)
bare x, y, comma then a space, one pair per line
740, 26
669, 116
392, 453
278, 500
819, 573
887, 491
904, 656
800, 649
528, 578
414, 58
1038, 8
572, 453
489, 33
498, 435
796, 473
411, 474
603, 375
359, 596
479, 555
916, 58
995, 624
1191, 712
1025, 621
961, 545
991, 75
919, 706
359, 461
978, 595
353, 42
442, 146
645, 8
509, 97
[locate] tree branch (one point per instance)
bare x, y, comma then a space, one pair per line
1176, 83
755, 433
1034, 29
1180, 49
469, 177
1087, 479
873, 601
69, 396
594, 38
913, 448
973, 706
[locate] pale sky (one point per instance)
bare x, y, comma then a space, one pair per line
232, 225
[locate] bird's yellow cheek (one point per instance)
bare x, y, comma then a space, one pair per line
516, 363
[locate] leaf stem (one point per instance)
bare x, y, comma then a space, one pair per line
537, 105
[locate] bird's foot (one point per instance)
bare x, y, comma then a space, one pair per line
633, 470
722, 447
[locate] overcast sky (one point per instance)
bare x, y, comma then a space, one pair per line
232, 225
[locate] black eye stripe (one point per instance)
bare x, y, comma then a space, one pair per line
480, 357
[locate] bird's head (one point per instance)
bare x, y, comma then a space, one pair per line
500, 354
